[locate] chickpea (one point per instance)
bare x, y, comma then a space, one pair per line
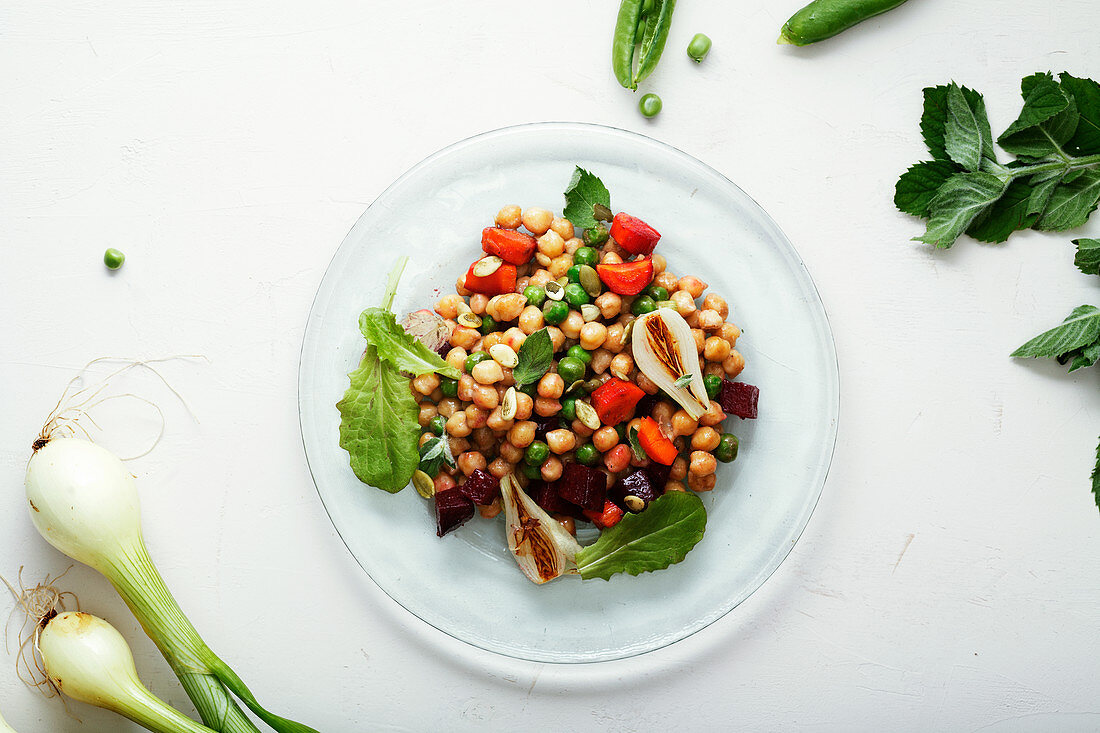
447, 407
425, 384
663, 411
710, 320
714, 369
491, 340
601, 360
610, 304
580, 429
713, 415
679, 469
702, 463
674, 486
682, 424
522, 434
648, 385
716, 349
621, 365
699, 482
485, 397
427, 412
692, 319
573, 244
514, 338
734, 363
546, 408
466, 386
457, 426
471, 461
617, 459
487, 372
705, 438
692, 285
540, 278
551, 386
447, 307
557, 338
551, 469
561, 441
476, 417
424, 438
666, 280
506, 381
456, 357
611, 258
537, 220
592, 335
605, 439
700, 339
562, 227
507, 307
490, 510
500, 467
530, 319
478, 301
572, 325
525, 404
464, 337
511, 452
560, 265
567, 523
615, 342
509, 217
659, 264
551, 244
443, 482
717, 304
683, 302
496, 421
543, 260
730, 333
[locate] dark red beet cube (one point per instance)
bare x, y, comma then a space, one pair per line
658, 475
637, 484
586, 487
546, 496
481, 486
738, 398
452, 510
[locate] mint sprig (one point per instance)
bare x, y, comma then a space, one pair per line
584, 191
1075, 341
1088, 256
536, 356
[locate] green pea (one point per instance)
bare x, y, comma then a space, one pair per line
113, 258
534, 294
578, 352
536, 453
727, 448
569, 409
576, 296
657, 292
532, 472
699, 47
650, 105
474, 359
488, 325
713, 383
531, 390
555, 311
643, 305
587, 454
574, 273
437, 424
586, 256
448, 386
595, 236
571, 369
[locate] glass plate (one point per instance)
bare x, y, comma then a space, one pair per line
467, 584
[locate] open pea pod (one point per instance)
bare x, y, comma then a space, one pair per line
640, 35
654, 34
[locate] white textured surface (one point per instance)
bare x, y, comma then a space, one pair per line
949, 578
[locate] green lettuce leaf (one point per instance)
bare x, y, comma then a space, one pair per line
396, 346
957, 204
1081, 328
378, 426
660, 536
584, 191
1088, 256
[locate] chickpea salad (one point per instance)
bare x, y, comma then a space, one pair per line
571, 380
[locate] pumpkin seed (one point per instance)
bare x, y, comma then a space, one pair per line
590, 312
593, 384
554, 290
666, 304
634, 503
590, 281
627, 330
574, 385
509, 406
601, 213
469, 320
423, 484
463, 307
487, 266
586, 413
504, 355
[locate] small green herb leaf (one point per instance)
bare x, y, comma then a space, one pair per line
1006, 215
660, 536
917, 187
957, 204
1081, 328
585, 190
1086, 95
967, 137
436, 453
1096, 478
933, 121
682, 381
1088, 256
636, 444
1072, 202
1086, 356
536, 356
1043, 125
381, 329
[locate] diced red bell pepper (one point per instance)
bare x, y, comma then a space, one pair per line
509, 245
634, 235
615, 400
739, 398
503, 280
627, 278
609, 517
654, 443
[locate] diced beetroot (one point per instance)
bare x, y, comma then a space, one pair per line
658, 474
586, 487
452, 510
546, 496
544, 425
738, 398
481, 486
638, 484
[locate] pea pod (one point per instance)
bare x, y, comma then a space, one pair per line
654, 35
823, 19
642, 29
623, 42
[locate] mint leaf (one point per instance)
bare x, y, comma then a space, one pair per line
957, 204
1072, 202
635, 444
378, 426
396, 346
1088, 256
585, 190
536, 355
1086, 95
1096, 478
1042, 186
967, 137
1043, 99
1081, 328
1086, 356
1008, 214
660, 536
933, 120
917, 186
436, 453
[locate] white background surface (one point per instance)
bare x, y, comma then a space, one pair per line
949, 578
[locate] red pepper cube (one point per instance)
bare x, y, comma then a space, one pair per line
627, 278
615, 400
509, 245
501, 281
738, 398
608, 517
634, 235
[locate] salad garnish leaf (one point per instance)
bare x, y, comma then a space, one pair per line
1076, 340
585, 190
1096, 478
436, 453
966, 135
396, 346
660, 536
1088, 256
536, 355
636, 444
378, 426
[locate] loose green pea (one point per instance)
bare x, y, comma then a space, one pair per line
713, 383
571, 369
113, 258
569, 409
727, 448
657, 292
699, 47
536, 453
448, 386
474, 359
578, 352
532, 472
437, 424
555, 311
650, 105
587, 454
595, 236
534, 294
643, 305
586, 256
488, 324
576, 296
574, 274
